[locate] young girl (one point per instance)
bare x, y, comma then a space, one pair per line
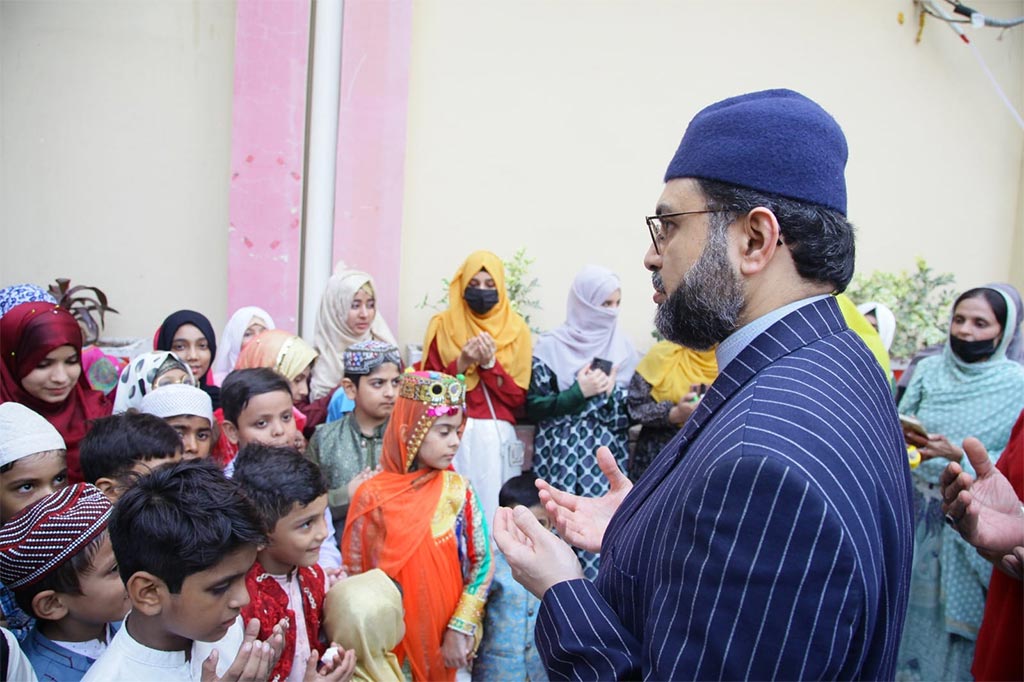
190, 336
482, 337
245, 324
41, 369
146, 372
420, 522
577, 406
348, 314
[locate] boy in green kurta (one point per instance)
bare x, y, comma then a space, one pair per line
348, 450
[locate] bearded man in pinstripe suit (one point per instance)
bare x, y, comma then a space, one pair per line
772, 538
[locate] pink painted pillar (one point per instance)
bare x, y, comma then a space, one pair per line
371, 143
267, 156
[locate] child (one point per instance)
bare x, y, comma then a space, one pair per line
188, 411
184, 538
119, 448
290, 497
56, 557
32, 465
507, 651
257, 407
421, 523
348, 451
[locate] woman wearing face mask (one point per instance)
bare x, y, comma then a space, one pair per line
42, 370
970, 389
577, 405
481, 337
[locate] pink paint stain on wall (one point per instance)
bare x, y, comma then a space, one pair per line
268, 136
371, 143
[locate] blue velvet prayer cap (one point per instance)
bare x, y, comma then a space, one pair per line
773, 141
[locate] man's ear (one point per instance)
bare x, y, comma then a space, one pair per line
349, 387
230, 430
47, 605
109, 487
147, 592
759, 240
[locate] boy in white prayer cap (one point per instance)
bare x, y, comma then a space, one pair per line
187, 409
32, 465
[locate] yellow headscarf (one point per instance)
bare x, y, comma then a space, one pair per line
455, 326
364, 613
671, 369
868, 334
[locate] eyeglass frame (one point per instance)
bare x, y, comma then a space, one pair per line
651, 218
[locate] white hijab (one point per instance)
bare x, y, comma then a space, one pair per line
885, 318
137, 377
231, 339
589, 331
332, 335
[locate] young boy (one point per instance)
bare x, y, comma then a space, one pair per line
348, 450
56, 557
184, 538
32, 465
507, 651
188, 411
120, 448
257, 405
290, 497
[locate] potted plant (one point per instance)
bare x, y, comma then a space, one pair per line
87, 304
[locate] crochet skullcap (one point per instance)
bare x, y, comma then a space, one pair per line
174, 400
40, 538
24, 432
363, 357
774, 141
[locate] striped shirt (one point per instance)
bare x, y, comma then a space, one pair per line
778, 547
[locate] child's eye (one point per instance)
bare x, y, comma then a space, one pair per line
25, 488
286, 417
61, 477
203, 435
261, 424
114, 569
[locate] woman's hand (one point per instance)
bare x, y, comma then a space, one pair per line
590, 381
488, 349
456, 649
937, 445
469, 356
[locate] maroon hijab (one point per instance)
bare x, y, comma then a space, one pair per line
28, 332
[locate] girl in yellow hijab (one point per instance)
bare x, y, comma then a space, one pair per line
481, 337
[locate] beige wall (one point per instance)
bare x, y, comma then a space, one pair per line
116, 134
549, 124
536, 123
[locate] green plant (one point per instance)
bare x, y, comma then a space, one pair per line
89, 309
920, 300
521, 287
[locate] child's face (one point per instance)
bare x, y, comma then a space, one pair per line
103, 599
29, 479
441, 442
300, 385
363, 310
296, 538
267, 419
375, 395
210, 600
196, 435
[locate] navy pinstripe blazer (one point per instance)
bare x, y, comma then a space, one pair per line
778, 547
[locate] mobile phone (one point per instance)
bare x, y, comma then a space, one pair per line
913, 424
603, 365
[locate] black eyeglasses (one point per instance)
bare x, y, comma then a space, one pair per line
658, 231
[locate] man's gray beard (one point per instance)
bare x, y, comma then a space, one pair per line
705, 307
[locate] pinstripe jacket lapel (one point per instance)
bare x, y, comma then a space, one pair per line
797, 329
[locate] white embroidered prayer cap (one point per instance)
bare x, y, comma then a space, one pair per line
174, 400
24, 432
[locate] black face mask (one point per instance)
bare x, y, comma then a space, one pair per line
972, 351
480, 300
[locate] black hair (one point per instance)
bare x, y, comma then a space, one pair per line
275, 479
114, 444
521, 489
821, 240
179, 520
995, 301
64, 578
242, 385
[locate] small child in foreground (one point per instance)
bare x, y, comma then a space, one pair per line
189, 411
422, 524
290, 497
56, 557
32, 466
184, 538
120, 448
